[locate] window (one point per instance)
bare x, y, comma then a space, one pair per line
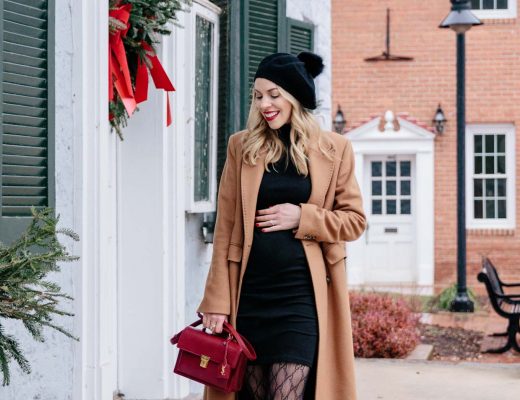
490, 176
203, 55
26, 128
391, 187
489, 9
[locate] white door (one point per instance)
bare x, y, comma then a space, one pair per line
390, 237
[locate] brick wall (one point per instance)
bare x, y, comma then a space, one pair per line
418, 86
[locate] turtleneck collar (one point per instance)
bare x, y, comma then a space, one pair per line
284, 133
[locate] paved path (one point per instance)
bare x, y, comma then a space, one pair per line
435, 380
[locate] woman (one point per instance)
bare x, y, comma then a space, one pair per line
288, 200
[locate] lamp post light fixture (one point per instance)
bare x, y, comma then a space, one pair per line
339, 121
439, 120
461, 19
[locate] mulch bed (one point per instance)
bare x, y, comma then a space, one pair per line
452, 344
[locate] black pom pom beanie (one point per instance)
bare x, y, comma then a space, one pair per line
293, 73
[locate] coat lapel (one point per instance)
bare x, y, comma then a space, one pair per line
251, 178
320, 171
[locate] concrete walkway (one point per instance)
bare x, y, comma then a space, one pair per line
379, 379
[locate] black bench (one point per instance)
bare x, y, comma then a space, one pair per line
506, 305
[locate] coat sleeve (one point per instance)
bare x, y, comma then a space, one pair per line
217, 298
346, 221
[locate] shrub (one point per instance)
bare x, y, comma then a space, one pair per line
444, 299
382, 326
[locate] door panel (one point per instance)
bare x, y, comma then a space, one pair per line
389, 189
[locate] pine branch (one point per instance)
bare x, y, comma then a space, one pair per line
25, 294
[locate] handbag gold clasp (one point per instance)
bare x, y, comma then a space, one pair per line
204, 361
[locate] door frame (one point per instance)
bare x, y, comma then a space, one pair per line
401, 137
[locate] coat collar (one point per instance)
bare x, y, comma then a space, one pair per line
320, 171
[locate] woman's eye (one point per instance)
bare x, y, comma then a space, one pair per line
275, 97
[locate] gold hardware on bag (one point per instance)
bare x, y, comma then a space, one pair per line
204, 361
223, 370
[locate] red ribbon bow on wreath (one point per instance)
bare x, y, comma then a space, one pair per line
119, 73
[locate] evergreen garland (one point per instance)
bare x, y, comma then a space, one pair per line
148, 20
25, 294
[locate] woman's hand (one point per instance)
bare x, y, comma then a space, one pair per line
214, 322
280, 217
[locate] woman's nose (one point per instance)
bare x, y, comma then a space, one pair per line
265, 104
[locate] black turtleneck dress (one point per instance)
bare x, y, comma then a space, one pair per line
277, 310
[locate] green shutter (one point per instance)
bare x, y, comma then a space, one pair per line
300, 36
249, 30
24, 105
224, 91
261, 38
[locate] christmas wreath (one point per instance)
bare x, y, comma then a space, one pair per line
134, 29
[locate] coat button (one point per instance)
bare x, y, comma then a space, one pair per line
328, 279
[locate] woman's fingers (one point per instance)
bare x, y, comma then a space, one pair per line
279, 217
214, 322
267, 218
219, 327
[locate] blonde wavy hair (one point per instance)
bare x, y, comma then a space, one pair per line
260, 136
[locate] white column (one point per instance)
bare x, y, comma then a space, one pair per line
425, 217
356, 251
95, 206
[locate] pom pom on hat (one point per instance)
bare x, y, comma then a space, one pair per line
313, 63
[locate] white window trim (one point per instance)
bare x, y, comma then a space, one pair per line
510, 12
209, 12
482, 129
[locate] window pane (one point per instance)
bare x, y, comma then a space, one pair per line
501, 143
490, 143
478, 209
376, 168
475, 4
490, 208
405, 188
405, 207
391, 167
478, 144
391, 207
502, 4
477, 188
501, 165
377, 206
478, 164
390, 188
203, 50
405, 168
501, 187
488, 4
490, 165
502, 209
376, 188
490, 187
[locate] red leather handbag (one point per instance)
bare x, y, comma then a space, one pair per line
213, 360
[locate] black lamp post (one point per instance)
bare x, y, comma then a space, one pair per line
439, 120
339, 121
461, 19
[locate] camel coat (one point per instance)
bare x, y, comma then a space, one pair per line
332, 215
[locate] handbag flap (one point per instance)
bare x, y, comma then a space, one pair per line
199, 343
